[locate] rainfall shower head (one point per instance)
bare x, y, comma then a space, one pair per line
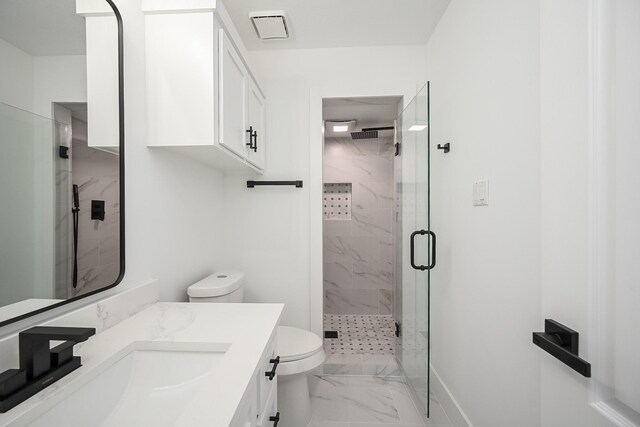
369, 133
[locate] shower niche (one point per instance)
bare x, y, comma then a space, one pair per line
337, 201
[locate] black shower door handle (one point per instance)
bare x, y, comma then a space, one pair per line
432, 235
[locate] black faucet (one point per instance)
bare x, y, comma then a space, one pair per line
40, 365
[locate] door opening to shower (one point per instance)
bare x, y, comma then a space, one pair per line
377, 243
358, 216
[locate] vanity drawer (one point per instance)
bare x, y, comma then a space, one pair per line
266, 383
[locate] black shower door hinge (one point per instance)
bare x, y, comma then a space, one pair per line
398, 329
397, 145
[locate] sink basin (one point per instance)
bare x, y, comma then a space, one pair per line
145, 387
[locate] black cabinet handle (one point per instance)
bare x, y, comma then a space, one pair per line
432, 235
255, 141
272, 373
250, 144
275, 418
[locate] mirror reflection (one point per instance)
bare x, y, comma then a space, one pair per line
59, 164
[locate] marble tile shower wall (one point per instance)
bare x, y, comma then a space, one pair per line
96, 173
358, 253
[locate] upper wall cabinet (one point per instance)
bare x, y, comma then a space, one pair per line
202, 98
102, 74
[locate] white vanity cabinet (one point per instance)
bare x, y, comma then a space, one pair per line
202, 98
260, 401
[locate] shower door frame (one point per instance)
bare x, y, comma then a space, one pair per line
412, 190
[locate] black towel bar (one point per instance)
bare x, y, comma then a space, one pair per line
251, 184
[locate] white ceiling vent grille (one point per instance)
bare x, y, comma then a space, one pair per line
270, 25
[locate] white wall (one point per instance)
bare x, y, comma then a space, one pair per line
60, 78
483, 65
16, 81
16, 76
267, 229
174, 206
19, 252
32, 83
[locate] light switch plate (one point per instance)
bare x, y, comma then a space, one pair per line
481, 193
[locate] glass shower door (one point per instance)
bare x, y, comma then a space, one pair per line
414, 244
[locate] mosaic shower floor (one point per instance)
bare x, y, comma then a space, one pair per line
360, 334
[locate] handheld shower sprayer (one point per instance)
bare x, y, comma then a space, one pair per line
75, 211
76, 198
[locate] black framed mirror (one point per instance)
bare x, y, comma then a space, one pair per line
61, 153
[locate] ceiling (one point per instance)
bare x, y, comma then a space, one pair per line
369, 111
342, 23
43, 27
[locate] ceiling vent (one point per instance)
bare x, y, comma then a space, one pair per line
270, 25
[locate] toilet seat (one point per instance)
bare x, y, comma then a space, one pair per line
295, 344
299, 350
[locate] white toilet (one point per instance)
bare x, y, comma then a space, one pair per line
300, 351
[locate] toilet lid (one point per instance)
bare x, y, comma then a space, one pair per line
217, 284
296, 343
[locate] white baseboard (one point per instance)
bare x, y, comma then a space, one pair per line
451, 407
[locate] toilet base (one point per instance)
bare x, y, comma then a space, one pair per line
294, 403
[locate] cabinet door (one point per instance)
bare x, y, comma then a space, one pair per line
270, 410
232, 105
247, 414
257, 122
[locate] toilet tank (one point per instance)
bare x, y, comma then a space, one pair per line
221, 286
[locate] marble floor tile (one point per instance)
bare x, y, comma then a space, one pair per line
329, 399
343, 358
367, 401
327, 424
384, 425
382, 370
345, 369
333, 400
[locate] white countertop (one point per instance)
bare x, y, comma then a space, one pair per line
242, 330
